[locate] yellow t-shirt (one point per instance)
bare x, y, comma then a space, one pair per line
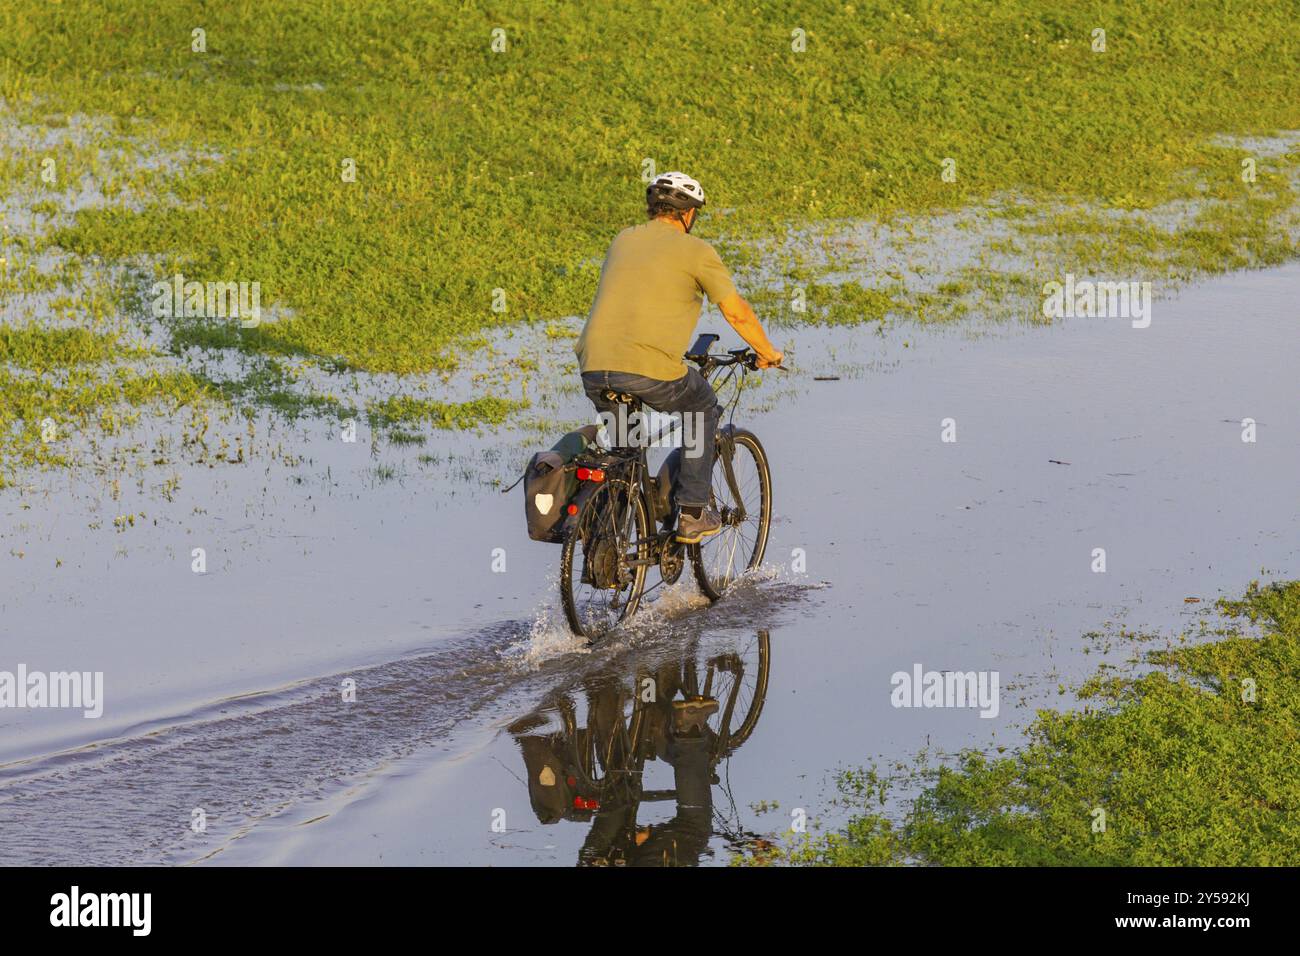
652, 287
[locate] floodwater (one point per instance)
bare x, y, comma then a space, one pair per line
481, 733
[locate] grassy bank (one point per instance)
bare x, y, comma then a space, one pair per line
1191, 763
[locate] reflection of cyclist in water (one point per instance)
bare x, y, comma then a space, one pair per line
677, 733
689, 714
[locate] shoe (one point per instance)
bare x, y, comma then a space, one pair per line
691, 716
692, 530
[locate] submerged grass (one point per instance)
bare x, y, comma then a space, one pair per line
40, 349
41, 420
405, 410
1192, 764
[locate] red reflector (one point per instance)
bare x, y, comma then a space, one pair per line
573, 509
584, 474
571, 781
579, 803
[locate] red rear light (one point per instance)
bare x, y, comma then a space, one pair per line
573, 509
590, 474
597, 475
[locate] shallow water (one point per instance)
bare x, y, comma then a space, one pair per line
223, 688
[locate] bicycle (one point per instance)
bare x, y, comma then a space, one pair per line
623, 520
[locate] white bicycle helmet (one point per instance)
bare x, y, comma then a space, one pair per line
677, 190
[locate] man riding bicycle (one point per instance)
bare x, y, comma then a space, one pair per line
647, 305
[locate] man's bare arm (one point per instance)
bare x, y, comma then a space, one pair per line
742, 318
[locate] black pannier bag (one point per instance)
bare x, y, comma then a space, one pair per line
550, 484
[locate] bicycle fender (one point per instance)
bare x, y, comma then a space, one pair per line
585, 490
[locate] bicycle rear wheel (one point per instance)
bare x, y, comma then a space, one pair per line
599, 586
744, 500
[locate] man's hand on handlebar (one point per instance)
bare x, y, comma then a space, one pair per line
741, 316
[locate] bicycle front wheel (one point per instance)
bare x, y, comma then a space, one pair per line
737, 679
603, 565
742, 495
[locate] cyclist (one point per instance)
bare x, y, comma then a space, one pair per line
647, 304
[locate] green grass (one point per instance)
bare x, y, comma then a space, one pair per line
1187, 767
479, 171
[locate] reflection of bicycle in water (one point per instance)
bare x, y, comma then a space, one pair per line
691, 712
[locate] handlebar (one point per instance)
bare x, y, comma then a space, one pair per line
746, 357
700, 355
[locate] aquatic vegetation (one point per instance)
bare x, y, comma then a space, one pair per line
448, 415
42, 349
39, 417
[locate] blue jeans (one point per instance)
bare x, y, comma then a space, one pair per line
690, 394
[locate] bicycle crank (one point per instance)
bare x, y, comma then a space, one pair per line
672, 558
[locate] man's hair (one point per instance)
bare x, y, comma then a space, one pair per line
655, 210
